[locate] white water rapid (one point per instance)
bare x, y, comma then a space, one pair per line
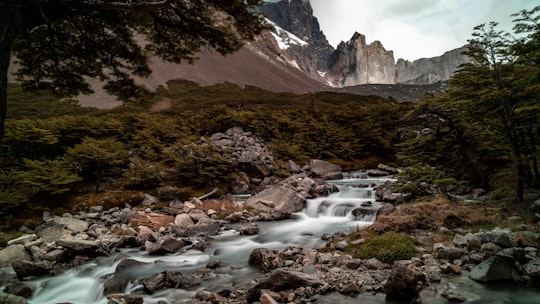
353, 207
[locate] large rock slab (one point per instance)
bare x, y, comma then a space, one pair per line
325, 170
26, 269
495, 268
13, 253
281, 279
80, 246
276, 198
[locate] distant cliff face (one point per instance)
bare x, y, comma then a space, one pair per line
430, 70
353, 62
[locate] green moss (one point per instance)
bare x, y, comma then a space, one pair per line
388, 247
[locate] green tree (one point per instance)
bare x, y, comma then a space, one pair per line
98, 158
60, 42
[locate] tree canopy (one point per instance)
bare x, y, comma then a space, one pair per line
60, 43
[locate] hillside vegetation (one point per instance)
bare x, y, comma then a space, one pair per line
59, 157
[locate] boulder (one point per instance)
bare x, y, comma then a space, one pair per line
151, 220
202, 227
167, 244
197, 215
169, 279
263, 258
402, 284
325, 170
495, 268
387, 168
276, 198
83, 247
281, 279
209, 297
60, 228
183, 220
26, 269
532, 268
13, 253
451, 253
19, 289
6, 298
123, 274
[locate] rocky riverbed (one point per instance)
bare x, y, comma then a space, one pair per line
446, 248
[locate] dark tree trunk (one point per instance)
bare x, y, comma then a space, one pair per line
10, 25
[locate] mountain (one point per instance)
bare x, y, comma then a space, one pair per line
294, 56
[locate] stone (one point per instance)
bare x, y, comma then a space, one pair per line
183, 220
152, 220
13, 253
80, 246
374, 264
281, 279
451, 253
210, 297
263, 258
325, 170
202, 227
26, 269
251, 229
169, 279
55, 255
402, 283
19, 289
149, 200
532, 269
22, 239
60, 227
6, 298
276, 198
495, 268
197, 215
165, 245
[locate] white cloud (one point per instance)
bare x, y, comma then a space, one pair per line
413, 28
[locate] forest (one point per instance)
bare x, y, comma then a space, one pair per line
483, 132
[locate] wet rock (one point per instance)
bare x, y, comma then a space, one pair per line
202, 227
165, 245
169, 279
212, 297
251, 229
55, 255
75, 247
455, 295
495, 268
281, 279
19, 289
26, 269
276, 198
265, 259
118, 282
13, 253
388, 169
532, 269
325, 170
124, 299
6, 298
402, 284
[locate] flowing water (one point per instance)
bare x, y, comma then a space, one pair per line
353, 207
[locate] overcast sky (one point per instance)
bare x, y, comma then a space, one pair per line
413, 28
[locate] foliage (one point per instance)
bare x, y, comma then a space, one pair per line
387, 247
489, 117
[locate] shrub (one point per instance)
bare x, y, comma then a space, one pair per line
388, 247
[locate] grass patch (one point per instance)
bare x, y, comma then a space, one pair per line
387, 247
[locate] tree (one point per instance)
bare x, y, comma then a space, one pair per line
61, 42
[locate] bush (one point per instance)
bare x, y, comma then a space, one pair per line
388, 247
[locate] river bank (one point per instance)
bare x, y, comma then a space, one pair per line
269, 249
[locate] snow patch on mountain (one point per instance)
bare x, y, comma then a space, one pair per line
284, 38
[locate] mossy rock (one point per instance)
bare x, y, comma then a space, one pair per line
387, 248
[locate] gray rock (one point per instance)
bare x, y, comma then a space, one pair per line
80, 246
276, 198
402, 284
13, 253
23, 239
183, 221
265, 259
165, 245
281, 279
19, 289
451, 253
197, 215
495, 268
149, 200
532, 268
26, 269
60, 227
6, 298
325, 170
